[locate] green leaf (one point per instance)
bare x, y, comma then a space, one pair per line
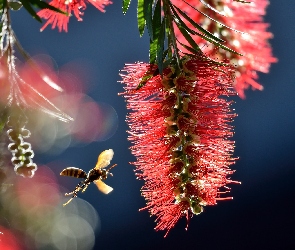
148, 75
178, 21
185, 32
157, 20
44, 5
125, 7
190, 49
143, 81
140, 17
165, 53
212, 19
160, 47
153, 51
156, 23
226, 48
189, 38
148, 12
197, 26
29, 8
41, 5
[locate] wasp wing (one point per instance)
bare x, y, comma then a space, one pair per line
102, 187
74, 172
104, 159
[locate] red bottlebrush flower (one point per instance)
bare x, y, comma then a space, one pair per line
251, 42
179, 128
68, 6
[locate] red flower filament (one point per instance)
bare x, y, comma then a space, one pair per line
180, 130
68, 6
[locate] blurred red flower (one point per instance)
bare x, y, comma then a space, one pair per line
179, 128
68, 6
251, 41
8, 241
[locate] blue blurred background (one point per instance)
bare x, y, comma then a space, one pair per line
262, 214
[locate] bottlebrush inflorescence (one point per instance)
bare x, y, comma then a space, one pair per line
22, 153
180, 130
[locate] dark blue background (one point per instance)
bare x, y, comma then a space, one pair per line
262, 214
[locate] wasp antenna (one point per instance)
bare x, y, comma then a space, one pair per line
112, 167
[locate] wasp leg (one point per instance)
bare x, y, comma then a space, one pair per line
67, 202
84, 188
75, 192
77, 189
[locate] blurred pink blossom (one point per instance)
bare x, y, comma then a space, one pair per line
246, 33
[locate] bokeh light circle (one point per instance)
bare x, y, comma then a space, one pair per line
38, 220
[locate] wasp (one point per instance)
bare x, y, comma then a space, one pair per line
95, 175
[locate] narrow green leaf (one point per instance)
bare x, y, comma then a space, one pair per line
143, 81
44, 5
29, 8
212, 19
156, 23
207, 58
157, 20
189, 38
140, 16
153, 51
190, 49
220, 45
165, 53
160, 47
197, 26
185, 32
125, 7
148, 13
148, 75
226, 48
178, 21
